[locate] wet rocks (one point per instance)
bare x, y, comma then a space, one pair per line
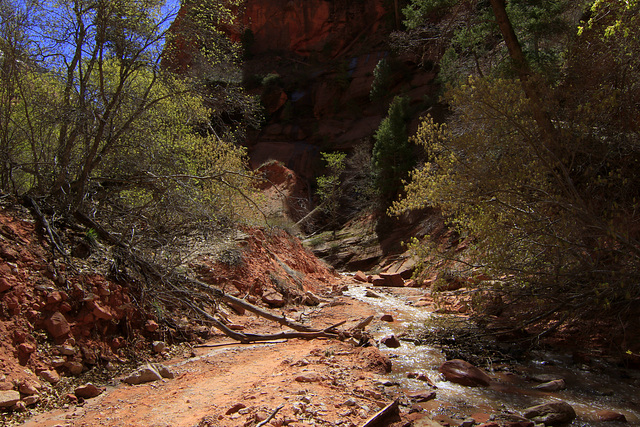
608, 416
422, 396
551, 414
464, 373
554, 385
390, 341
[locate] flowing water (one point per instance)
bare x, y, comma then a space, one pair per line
588, 389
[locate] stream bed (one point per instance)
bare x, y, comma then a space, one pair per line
589, 388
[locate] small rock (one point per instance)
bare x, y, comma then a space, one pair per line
151, 326
75, 368
392, 279
100, 312
373, 360
422, 396
349, 402
57, 325
309, 377
311, 299
66, 350
31, 400
26, 348
371, 294
5, 285
386, 318
6, 386
19, 406
464, 373
273, 298
551, 414
376, 280
29, 388
88, 391
608, 416
50, 376
360, 277
143, 375
554, 385
9, 398
159, 347
57, 362
235, 408
54, 297
468, 422
390, 341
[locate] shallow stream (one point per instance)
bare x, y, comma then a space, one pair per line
589, 389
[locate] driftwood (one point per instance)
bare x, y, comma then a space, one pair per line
376, 420
363, 324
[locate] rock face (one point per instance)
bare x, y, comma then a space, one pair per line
551, 414
464, 373
306, 26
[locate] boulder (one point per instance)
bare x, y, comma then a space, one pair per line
392, 279
551, 414
88, 391
377, 280
9, 398
464, 373
57, 325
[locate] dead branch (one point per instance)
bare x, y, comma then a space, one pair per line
363, 324
375, 420
270, 417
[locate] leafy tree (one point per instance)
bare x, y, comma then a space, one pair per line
392, 156
546, 190
329, 185
94, 123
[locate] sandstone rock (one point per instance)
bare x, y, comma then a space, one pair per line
149, 372
143, 375
66, 350
88, 391
309, 377
392, 279
464, 373
19, 406
26, 348
371, 294
422, 396
6, 386
29, 388
554, 385
100, 312
151, 326
159, 346
551, 414
390, 341
57, 325
360, 277
54, 297
31, 400
74, 367
376, 280
607, 416
235, 408
387, 318
9, 398
273, 298
50, 376
5, 285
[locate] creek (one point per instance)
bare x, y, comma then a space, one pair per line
589, 389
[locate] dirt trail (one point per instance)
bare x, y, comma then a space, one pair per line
319, 382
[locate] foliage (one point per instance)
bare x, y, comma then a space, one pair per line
469, 39
392, 156
92, 121
329, 185
381, 80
